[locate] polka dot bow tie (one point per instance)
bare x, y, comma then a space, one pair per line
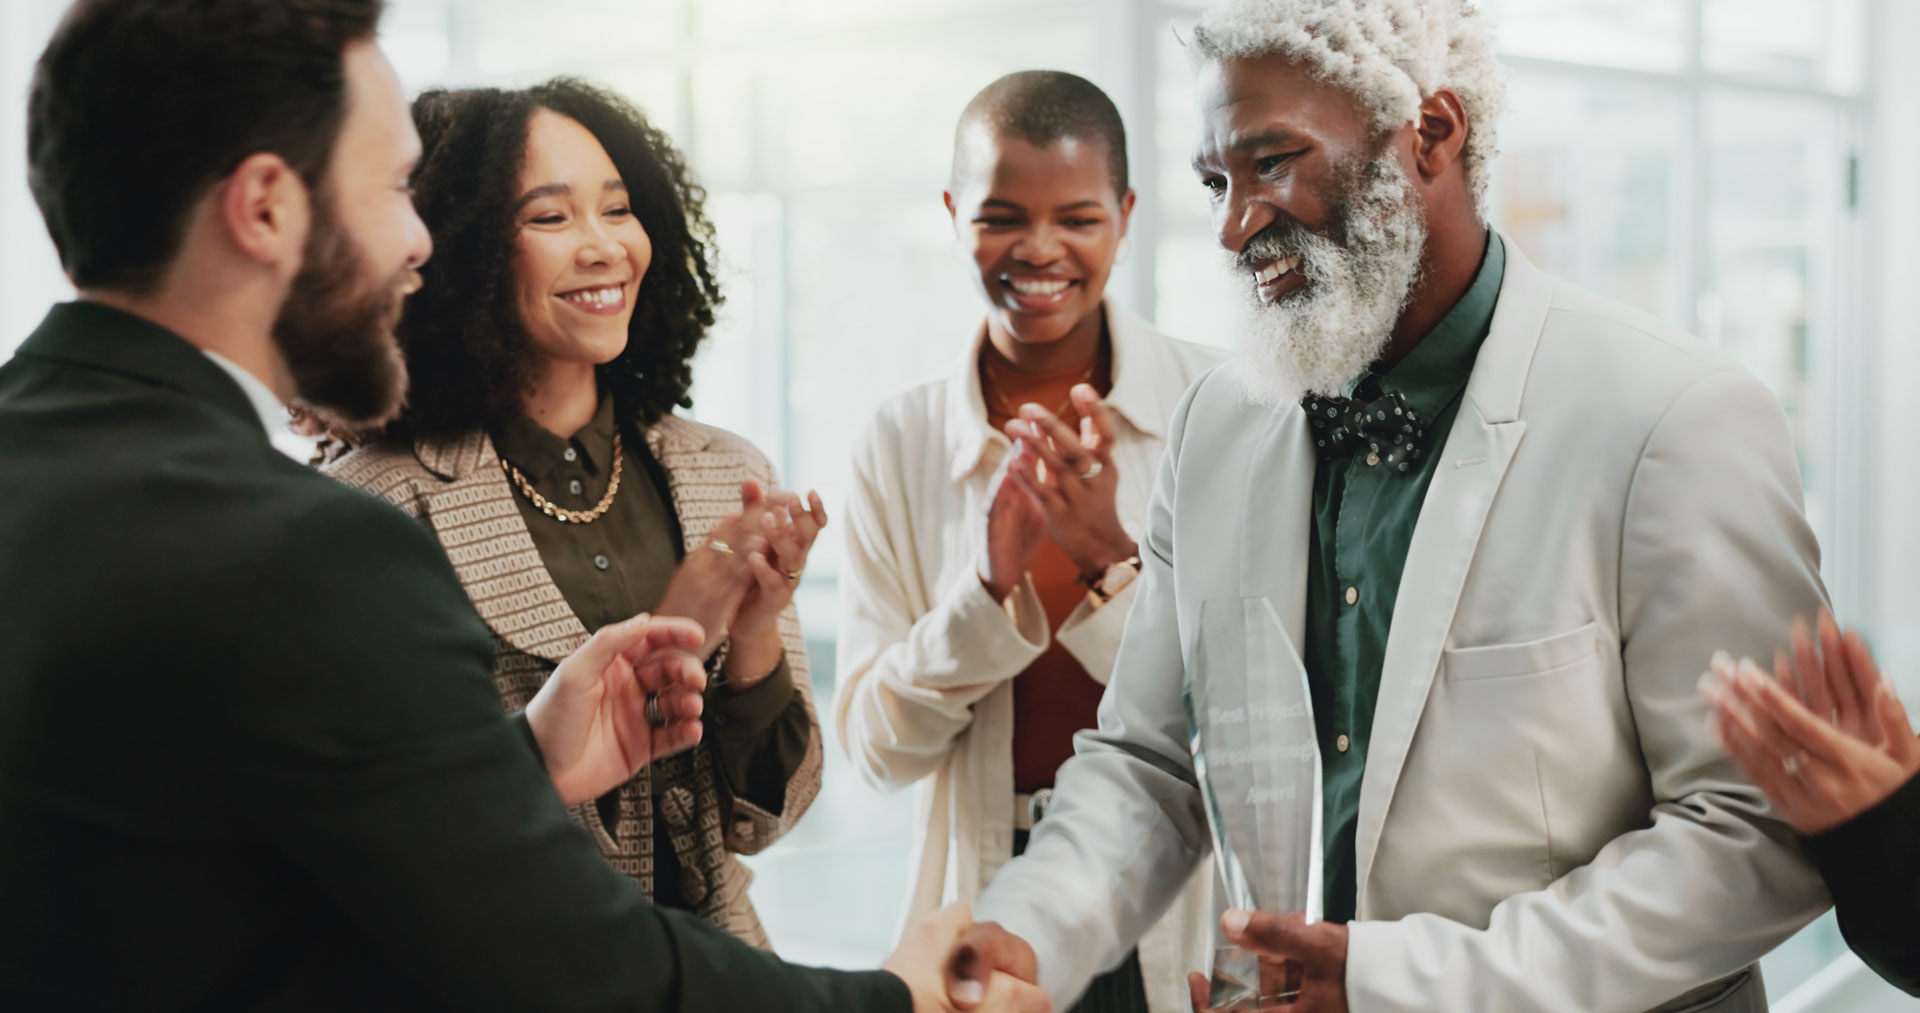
1377, 424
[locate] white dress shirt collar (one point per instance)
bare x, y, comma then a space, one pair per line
266, 404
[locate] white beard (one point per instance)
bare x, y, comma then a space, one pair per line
1319, 338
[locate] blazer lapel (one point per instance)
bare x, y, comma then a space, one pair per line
674, 443
1480, 448
478, 522
1277, 522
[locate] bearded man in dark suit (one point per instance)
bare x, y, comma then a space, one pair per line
250, 752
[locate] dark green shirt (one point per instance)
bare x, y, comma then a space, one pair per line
1363, 521
619, 565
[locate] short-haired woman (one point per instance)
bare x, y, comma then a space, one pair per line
990, 533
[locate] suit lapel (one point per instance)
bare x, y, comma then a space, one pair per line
478, 522
1479, 450
1278, 511
1444, 541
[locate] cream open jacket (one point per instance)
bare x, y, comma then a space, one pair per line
926, 658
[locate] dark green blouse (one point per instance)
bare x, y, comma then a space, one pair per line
619, 565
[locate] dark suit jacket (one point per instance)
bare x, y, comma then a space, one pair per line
1872, 868
251, 754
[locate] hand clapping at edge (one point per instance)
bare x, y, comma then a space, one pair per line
1825, 737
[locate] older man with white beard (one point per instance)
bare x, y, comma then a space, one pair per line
1504, 523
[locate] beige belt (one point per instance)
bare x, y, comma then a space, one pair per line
1027, 809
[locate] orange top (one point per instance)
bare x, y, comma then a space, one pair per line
1054, 697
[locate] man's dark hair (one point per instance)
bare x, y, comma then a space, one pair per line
469, 356
1044, 106
139, 107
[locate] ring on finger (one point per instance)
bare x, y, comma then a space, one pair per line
1792, 765
720, 546
793, 574
654, 717
1092, 470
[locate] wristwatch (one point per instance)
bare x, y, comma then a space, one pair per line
1113, 581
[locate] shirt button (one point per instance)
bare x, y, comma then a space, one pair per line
574, 487
1353, 596
570, 454
1373, 460
601, 562
1342, 743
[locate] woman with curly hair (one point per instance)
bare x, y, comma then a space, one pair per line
550, 344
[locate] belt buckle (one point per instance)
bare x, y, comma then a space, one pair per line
1037, 804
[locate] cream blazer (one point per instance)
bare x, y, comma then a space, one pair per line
1546, 822
926, 658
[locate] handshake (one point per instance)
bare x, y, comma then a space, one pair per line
950, 962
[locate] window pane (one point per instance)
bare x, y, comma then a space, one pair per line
414, 37
855, 116
739, 381
1586, 187
1774, 201
1197, 295
569, 36
722, 19
871, 309
1809, 43
1613, 33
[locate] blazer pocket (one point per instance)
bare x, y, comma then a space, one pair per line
1534, 657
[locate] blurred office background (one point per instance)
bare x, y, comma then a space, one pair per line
1742, 168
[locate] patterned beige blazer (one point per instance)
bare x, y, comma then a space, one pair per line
458, 489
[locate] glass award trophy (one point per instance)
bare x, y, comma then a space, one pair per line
1250, 726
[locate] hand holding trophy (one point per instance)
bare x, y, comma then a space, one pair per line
1250, 720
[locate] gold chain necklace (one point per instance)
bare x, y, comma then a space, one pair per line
1060, 412
560, 513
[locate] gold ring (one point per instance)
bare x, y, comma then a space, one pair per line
793, 575
720, 546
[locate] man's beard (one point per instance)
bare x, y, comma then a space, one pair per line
1318, 338
336, 331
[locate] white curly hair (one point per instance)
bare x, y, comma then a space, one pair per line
1389, 54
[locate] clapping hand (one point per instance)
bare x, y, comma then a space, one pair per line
711, 584
788, 527
1015, 527
1071, 478
1824, 736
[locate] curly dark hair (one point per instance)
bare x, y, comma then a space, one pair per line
468, 354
